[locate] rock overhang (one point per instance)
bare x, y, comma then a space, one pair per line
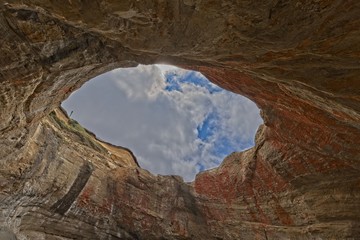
301, 175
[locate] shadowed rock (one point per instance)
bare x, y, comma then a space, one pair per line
297, 60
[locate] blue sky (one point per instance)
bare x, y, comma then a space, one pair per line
175, 121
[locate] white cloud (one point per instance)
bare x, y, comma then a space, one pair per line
139, 83
130, 107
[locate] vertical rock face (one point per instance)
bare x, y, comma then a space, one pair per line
298, 60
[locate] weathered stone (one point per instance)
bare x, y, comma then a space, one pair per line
298, 60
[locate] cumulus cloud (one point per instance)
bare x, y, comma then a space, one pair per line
175, 121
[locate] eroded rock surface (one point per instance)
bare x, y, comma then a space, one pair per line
298, 60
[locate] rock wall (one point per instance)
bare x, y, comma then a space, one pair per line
298, 60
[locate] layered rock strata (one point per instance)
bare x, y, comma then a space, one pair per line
298, 60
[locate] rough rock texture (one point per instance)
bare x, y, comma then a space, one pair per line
297, 59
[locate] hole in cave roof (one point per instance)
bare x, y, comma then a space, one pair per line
175, 121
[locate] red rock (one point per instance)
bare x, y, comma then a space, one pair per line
297, 60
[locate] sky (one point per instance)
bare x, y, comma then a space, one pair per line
175, 121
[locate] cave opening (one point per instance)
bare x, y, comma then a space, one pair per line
175, 121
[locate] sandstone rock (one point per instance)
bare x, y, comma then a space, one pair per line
298, 60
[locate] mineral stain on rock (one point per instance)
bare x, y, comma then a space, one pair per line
63, 204
297, 60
